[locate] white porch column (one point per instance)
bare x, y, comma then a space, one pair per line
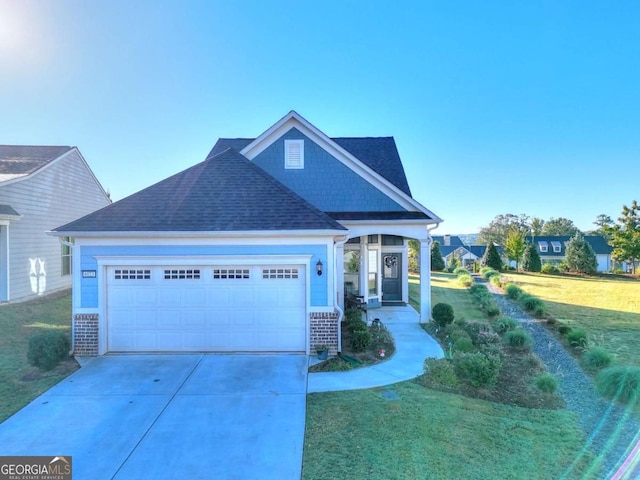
340, 274
425, 280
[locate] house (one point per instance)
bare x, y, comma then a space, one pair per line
552, 249
451, 246
41, 187
251, 250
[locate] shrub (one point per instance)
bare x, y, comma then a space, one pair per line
530, 303
442, 314
487, 337
518, 338
539, 311
497, 280
474, 328
505, 325
354, 324
457, 333
546, 383
621, 383
597, 358
577, 338
478, 369
441, 371
484, 270
360, 340
462, 344
549, 269
48, 349
492, 310
490, 273
551, 320
564, 329
513, 291
478, 289
461, 271
466, 280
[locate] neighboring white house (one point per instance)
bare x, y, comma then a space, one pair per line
41, 187
552, 249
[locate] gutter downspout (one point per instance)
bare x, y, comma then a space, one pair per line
336, 304
73, 324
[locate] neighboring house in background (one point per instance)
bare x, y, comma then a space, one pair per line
452, 246
552, 249
40, 188
251, 250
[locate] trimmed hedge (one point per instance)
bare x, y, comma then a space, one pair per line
48, 349
442, 314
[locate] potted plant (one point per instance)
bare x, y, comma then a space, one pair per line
322, 351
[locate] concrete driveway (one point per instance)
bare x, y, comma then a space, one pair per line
171, 416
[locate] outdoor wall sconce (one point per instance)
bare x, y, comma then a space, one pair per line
319, 268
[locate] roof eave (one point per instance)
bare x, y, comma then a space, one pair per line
198, 234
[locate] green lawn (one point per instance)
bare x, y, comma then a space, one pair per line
446, 289
607, 307
428, 434
20, 382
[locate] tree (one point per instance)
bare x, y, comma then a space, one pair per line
530, 259
560, 226
491, 258
414, 255
514, 245
437, 262
579, 256
603, 222
537, 225
498, 230
625, 237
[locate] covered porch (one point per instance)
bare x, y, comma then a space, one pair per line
373, 263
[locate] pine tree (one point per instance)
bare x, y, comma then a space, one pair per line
491, 258
531, 260
580, 257
437, 262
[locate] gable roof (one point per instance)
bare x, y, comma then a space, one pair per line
454, 240
209, 197
597, 242
21, 160
378, 153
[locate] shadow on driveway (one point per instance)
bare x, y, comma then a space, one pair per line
171, 416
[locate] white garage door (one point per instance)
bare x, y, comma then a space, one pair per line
211, 309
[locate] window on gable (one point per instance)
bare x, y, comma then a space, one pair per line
557, 247
294, 154
66, 255
544, 246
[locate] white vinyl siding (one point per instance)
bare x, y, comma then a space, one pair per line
57, 194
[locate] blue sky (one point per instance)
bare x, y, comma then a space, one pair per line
496, 107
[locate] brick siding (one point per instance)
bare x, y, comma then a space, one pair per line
85, 334
324, 330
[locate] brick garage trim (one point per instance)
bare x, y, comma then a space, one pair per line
85, 334
324, 330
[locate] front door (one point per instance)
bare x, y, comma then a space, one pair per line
391, 277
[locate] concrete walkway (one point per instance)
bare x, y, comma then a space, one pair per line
413, 345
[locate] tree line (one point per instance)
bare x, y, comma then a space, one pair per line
511, 232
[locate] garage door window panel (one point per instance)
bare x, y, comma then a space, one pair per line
182, 274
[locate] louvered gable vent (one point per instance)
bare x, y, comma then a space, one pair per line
294, 154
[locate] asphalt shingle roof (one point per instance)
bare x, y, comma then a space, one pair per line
378, 153
21, 160
597, 242
8, 210
226, 192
